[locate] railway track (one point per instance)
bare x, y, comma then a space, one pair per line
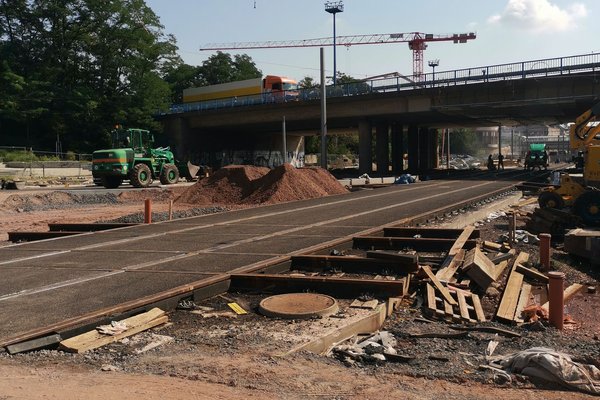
85, 279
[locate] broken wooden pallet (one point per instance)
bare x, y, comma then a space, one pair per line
467, 309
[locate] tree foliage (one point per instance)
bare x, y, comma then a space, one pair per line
221, 68
308, 83
463, 141
73, 68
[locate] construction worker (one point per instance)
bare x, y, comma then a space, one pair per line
490, 163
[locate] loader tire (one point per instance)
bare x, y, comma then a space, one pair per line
111, 182
169, 174
141, 176
551, 200
587, 206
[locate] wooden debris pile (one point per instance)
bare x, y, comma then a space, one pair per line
453, 286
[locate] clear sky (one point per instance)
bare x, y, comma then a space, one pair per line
507, 31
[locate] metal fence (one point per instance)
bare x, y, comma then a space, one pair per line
27, 154
492, 73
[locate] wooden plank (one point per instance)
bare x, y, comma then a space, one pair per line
94, 339
499, 269
369, 324
567, 295
478, 309
393, 304
448, 309
370, 304
524, 298
441, 288
533, 274
462, 305
462, 239
431, 298
450, 266
510, 296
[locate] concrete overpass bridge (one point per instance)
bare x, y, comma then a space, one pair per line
396, 111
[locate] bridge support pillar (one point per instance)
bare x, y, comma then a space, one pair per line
397, 138
382, 144
432, 146
365, 139
178, 131
423, 149
413, 149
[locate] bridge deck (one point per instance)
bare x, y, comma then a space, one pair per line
53, 280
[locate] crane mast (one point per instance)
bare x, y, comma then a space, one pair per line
417, 42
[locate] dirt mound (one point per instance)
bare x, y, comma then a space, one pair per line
258, 185
229, 185
286, 183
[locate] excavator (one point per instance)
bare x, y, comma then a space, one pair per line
582, 196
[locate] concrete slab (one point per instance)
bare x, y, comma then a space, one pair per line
105, 260
19, 280
279, 245
208, 262
76, 299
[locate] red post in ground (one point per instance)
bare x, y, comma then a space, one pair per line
148, 211
545, 251
556, 301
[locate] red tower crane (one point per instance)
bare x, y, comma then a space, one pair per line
417, 42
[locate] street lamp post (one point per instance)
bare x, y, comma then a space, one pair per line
334, 7
433, 64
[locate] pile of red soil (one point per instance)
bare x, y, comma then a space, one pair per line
241, 184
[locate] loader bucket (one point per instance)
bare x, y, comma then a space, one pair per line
189, 171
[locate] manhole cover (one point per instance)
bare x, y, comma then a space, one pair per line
298, 305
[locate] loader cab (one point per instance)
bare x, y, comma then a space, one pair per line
140, 140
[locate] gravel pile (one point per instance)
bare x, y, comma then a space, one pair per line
57, 200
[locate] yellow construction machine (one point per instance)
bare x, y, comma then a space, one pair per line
581, 195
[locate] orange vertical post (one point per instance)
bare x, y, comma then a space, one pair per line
148, 211
545, 251
556, 301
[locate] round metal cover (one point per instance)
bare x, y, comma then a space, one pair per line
298, 305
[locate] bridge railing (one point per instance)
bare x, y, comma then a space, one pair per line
519, 70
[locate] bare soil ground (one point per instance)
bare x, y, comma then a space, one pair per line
237, 357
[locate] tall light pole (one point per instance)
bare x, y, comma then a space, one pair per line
334, 7
433, 64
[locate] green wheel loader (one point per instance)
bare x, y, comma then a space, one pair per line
133, 158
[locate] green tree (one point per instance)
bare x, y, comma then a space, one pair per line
221, 68
181, 77
85, 65
463, 141
308, 83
